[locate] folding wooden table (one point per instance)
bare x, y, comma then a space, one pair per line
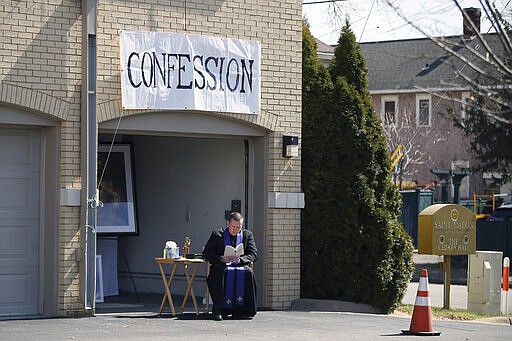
175, 262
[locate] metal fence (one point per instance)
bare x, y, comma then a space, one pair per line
494, 236
413, 202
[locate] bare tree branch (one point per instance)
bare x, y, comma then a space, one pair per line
493, 68
416, 142
493, 56
505, 39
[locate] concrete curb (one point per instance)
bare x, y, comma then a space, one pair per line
499, 320
305, 304
494, 320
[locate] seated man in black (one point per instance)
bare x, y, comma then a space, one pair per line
231, 281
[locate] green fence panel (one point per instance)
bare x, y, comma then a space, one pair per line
413, 202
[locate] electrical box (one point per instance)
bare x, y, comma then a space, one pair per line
236, 206
484, 282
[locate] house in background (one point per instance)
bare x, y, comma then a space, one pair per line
413, 84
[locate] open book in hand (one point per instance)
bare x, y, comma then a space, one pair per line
231, 251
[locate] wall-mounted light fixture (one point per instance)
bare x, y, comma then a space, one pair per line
290, 146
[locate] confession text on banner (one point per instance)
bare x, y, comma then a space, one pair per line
189, 72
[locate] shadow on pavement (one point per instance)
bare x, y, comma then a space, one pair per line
146, 306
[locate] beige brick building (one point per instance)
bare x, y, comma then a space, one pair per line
187, 166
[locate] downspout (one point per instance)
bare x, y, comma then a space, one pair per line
246, 187
89, 148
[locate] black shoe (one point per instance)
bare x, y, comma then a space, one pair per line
217, 317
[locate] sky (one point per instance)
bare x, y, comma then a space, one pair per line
375, 20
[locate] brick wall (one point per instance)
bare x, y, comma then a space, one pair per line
284, 257
40, 70
277, 26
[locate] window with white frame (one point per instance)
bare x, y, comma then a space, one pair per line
423, 110
389, 109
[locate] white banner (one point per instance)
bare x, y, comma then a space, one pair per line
189, 72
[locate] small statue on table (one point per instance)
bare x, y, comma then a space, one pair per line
186, 246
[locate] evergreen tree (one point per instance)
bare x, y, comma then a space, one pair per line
490, 138
352, 239
316, 89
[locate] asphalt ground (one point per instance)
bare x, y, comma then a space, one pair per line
137, 319
266, 325
307, 320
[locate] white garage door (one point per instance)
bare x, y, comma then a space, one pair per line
19, 221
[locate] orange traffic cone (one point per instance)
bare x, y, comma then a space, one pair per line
421, 323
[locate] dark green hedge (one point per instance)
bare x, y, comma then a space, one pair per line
353, 246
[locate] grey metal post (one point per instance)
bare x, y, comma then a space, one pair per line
457, 177
89, 10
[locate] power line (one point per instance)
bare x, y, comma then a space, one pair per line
366, 22
383, 7
321, 2
433, 10
415, 17
420, 15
